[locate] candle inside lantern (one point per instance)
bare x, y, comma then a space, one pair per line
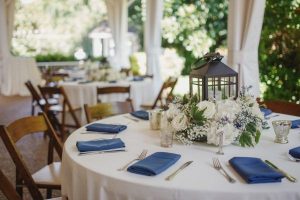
217, 95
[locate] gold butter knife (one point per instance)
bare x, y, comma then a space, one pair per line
171, 176
289, 177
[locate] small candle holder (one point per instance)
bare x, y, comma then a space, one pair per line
281, 129
220, 150
155, 119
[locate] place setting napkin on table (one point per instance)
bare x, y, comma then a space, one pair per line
105, 128
100, 145
266, 111
154, 164
141, 114
295, 124
295, 152
254, 170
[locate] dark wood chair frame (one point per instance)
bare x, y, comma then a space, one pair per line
280, 106
114, 90
111, 109
168, 84
17, 130
48, 92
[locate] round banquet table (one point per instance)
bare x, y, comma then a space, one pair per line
96, 176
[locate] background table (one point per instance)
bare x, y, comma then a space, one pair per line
86, 93
96, 176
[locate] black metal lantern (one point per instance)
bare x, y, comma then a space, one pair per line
210, 78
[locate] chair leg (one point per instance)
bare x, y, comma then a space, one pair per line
49, 194
19, 184
32, 110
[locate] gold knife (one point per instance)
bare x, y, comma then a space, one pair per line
171, 176
289, 177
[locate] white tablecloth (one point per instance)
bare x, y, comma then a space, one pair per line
97, 177
80, 94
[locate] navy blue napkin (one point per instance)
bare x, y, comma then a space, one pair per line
100, 145
154, 164
113, 81
295, 152
138, 78
142, 114
254, 170
266, 111
105, 128
296, 123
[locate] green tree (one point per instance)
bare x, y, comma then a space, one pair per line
279, 50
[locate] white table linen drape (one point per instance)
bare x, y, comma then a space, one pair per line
117, 12
244, 28
152, 40
14, 71
96, 176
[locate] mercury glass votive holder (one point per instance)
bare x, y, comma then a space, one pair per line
155, 119
281, 129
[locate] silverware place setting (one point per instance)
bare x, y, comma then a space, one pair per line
171, 176
217, 165
102, 152
140, 157
131, 118
288, 176
271, 116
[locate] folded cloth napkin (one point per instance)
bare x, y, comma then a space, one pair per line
295, 152
266, 111
113, 81
254, 170
142, 114
106, 128
138, 78
154, 164
296, 123
100, 145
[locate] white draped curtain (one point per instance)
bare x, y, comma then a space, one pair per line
152, 39
14, 71
117, 12
244, 28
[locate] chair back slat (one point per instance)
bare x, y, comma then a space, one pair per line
283, 107
102, 110
112, 90
7, 188
25, 126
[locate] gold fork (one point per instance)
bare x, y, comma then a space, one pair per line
140, 157
217, 165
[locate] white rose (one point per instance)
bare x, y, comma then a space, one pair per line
212, 137
256, 111
180, 122
210, 108
227, 108
229, 134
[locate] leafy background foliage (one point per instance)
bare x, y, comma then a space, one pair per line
192, 27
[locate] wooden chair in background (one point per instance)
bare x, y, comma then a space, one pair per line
47, 177
283, 107
126, 71
102, 110
37, 100
63, 108
164, 96
115, 90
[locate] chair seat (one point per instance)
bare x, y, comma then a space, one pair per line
51, 101
59, 108
48, 175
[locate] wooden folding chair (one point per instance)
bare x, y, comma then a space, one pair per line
37, 100
164, 96
283, 107
47, 177
102, 110
63, 108
114, 90
7, 188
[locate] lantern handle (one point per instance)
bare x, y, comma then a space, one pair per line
207, 58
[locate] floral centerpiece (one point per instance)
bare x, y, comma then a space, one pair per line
239, 119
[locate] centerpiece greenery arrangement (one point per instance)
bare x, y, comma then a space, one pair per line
240, 119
